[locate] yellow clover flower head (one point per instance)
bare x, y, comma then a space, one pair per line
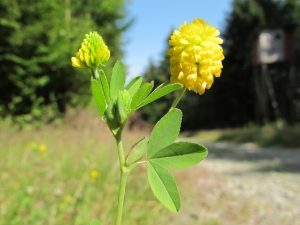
93, 52
196, 55
68, 198
94, 175
42, 148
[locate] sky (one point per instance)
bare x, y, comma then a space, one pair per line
154, 20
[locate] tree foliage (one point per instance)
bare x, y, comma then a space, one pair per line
161, 106
232, 100
37, 41
235, 91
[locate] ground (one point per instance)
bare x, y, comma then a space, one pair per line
249, 185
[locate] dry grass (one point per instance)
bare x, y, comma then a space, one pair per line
54, 187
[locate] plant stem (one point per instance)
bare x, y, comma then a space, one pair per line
178, 98
122, 188
118, 138
123, 178
95, 73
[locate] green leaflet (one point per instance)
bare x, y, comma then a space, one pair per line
137, 152
179, 155
117, 80
164, 186
163, 152
164, 132
126, 98
111, 117
121, 113
134, 85
141, 94
160, 92
105, 87
99, 97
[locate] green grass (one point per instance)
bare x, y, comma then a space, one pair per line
275, 134
55, 188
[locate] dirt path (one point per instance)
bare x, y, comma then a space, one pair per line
251, 185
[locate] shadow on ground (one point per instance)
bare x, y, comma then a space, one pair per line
269, 159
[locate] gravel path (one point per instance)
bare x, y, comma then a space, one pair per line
256, 186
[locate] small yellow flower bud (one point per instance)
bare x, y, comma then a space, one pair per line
93, 52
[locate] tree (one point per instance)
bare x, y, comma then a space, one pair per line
234, 94
231, 101
38, 40
158, 74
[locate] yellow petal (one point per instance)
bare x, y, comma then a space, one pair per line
77, 63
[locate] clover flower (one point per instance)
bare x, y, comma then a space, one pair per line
195, 55
93, 52
94, 175
42, 148
68, 198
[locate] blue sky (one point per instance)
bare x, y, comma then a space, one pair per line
155, 20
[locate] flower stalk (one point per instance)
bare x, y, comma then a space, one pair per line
179, 96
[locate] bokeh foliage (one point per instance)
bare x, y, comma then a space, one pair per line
232, 101
38, 39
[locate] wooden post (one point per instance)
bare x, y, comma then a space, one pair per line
261, 97
270, 89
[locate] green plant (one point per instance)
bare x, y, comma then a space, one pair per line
116, 102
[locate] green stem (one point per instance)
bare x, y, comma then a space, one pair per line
122, 188
178, 98
123, 178
95, 73
120, 148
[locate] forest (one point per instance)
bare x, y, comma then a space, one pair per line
38, 83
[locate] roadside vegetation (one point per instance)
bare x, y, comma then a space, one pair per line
276, 134
61, 174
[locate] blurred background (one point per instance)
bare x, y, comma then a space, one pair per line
38, 83
52, 158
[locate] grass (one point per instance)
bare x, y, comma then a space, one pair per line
275, 134
55, 187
